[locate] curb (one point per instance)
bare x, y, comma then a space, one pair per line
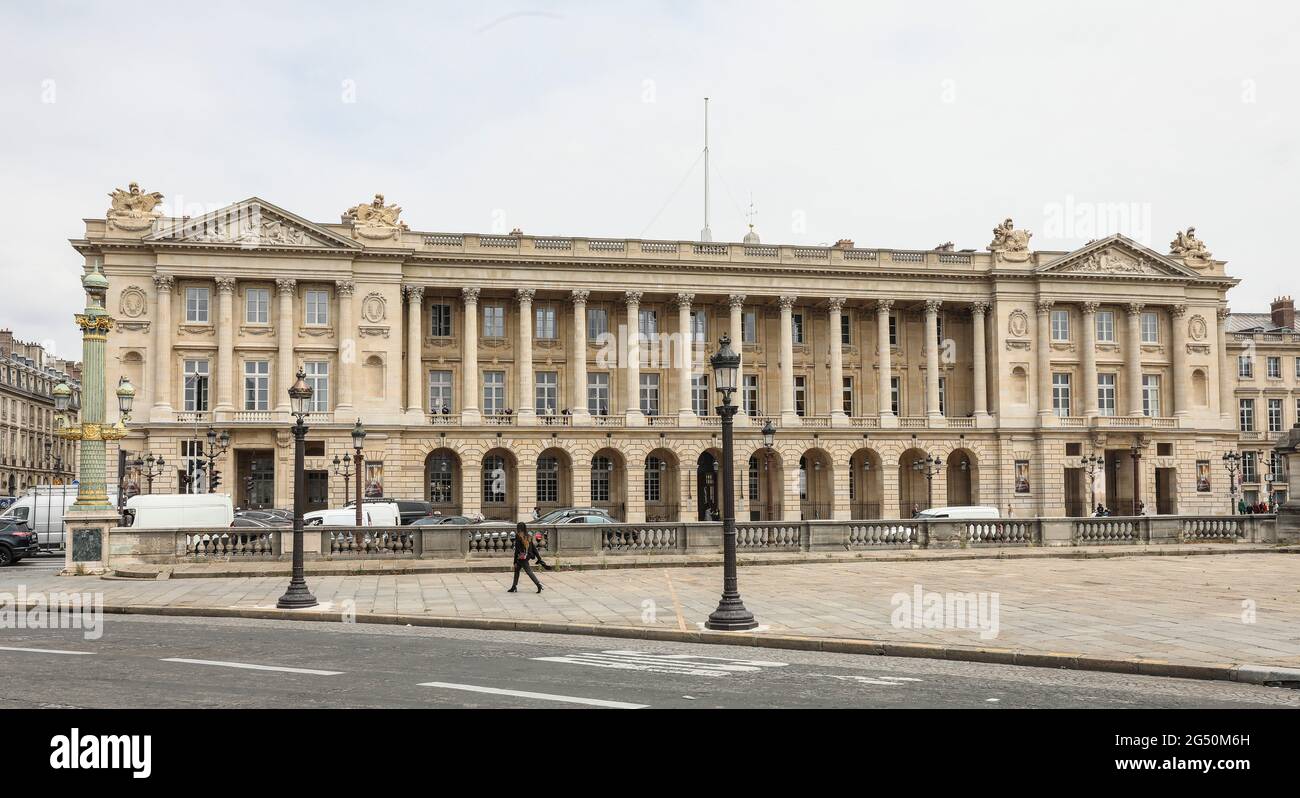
616, 562
1231, 672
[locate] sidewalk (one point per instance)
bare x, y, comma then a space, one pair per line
1198, 616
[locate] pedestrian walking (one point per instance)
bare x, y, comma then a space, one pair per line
525, 550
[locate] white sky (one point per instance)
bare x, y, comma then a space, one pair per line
894, 124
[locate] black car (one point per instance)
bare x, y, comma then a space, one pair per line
16, 542
440, 520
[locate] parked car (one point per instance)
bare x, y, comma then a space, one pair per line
441, 520
555, 516
959, 512
263, 518
16, 542
174, 510
408, 511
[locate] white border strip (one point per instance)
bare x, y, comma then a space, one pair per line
247, 666
568, 699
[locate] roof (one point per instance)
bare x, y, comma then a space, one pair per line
1254, 322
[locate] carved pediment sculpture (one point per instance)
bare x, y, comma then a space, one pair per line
1010, 243
1187, 245
1110, 261
133, 209
375, 220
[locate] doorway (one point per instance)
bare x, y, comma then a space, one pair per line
1076, 497
1166, 491
255, 475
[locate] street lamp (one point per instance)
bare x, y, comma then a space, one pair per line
150, 467
358, 442
1091, 465
731, 614
343, 468
216, 446
1232, 462
125, 397
298, 596
1136, 453
929, 466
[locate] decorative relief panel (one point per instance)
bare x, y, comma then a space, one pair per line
374, 308
132, 302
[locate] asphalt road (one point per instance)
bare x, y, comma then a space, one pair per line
147, 662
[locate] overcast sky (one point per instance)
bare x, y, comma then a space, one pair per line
894, 124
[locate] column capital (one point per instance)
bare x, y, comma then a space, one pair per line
632, 297
736, 301
787, 302
1135, 308
1177, 311
525, 295
164, 282
285, 285
1044, 305
470, 295
1089, 308
933, 305
345, 287
1222, 313
884, 305
225, 285
979, 307
836, 303
579, 296
414, 293
683, 299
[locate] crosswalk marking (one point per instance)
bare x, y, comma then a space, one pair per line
676, 664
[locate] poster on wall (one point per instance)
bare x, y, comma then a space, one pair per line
1203, 476
1022, 476
374, 479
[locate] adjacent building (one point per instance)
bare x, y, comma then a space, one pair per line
1267, 394
30, 453
498, 373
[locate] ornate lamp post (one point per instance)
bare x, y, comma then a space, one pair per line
1232, 462
358, 461
1091, 465
731, 614
928, 467
216, 446
343, 468
298, 596
769, 438
150, 468
91, 516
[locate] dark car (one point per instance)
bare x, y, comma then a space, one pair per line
408, 511
559, 516
439, 520
16, 542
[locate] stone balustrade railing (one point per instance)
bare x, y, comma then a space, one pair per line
170, 546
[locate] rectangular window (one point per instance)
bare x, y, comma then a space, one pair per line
440, 320
257, 306
895, 396
1106, 394
494, 392
1274, 415
846, 329
1061, 394
1297, 368
494, 479
700, 394
893, 330
597, 323
1151, 395
494, 321
1150, 328
1245, 367
1106, 326
1246, 415
847, 396
196, 386
598, 394
796, 325
548, 480
600, 467
650, 394
699, 326
318, 377
800, 396
1249, 467
546, 392
196, 305
440, 392
257, 384
653, 484
749, 395
1274, 365
938, 328
1060, 325
749, 328
648, 322
545, 328
318, 308
943, 396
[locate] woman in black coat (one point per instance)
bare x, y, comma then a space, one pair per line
525, 550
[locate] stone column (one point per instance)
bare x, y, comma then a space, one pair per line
979, 312
225, 345
884, 357
1133, 359
835, 307
736, 302
469, 410
347, 337
526, 413
685, 355
285, 330
632, 361
1227, 375
1182, 379
1088, 359
162, 354
414, 352
932, 359
578, 360
1044, 365
788, 415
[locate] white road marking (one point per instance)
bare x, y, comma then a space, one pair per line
44, 650
251, 667
887, 681
565, 699
676, 664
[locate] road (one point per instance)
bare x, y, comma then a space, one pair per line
145, 661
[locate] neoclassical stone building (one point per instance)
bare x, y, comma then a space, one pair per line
498, 373
30, 453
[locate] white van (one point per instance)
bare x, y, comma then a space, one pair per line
176, 510
374, 514
42, 509
958, 512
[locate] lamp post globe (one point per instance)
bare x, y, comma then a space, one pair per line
125, 397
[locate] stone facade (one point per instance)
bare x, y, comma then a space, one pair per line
1266, 394
27, 375
1009, 364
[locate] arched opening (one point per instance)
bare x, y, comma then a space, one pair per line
608, 483
816, 485
373, 377
764, 485
1019, 386
661, 481
133, 368
913, 487
963, 479
500, 485
1200, 388
442, 481
866, 485
554, 480
708, 481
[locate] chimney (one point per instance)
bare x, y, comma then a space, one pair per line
1283, 310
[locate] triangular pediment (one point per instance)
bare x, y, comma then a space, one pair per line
252, 223
1117, 256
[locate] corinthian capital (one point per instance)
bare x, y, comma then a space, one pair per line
414, 293
836, 303
1090, 307
979, 308
225, 285
787, 302
632, 297
286, 285
525, 295
345, 287
1177, 311
933, 305
736, 301
470, 295
683, 300
164, 282
884, 306
1135, 308
1045, 305
579, 296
